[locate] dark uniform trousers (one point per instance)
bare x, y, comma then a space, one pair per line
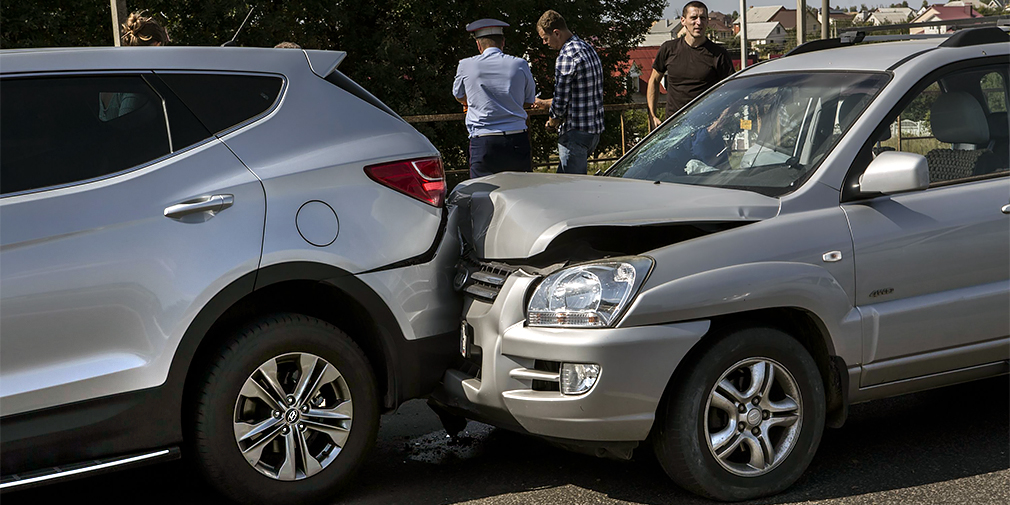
491, 154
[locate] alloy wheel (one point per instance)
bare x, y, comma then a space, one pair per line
293, 416
753, 417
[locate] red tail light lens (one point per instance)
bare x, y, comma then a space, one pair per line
423, 178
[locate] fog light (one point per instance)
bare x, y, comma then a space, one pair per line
577, 378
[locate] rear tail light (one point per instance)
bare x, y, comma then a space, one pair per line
423, 178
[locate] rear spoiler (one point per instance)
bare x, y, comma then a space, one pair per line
323, 63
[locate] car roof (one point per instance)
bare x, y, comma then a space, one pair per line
238, 59
866, 57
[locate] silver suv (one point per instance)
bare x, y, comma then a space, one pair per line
233, 254
819, 230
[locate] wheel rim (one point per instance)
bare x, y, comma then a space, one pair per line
293, 416
753, 417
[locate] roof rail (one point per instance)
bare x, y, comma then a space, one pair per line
859, 34
976, 37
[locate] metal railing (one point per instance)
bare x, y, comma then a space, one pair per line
621, 107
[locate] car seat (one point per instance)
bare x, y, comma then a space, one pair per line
958, 119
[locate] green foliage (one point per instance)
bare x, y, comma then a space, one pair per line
403, 51
62, 23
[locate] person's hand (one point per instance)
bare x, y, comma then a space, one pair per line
653, 121
553, 123
719, 122
541, 104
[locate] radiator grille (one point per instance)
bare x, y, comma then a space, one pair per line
481, 279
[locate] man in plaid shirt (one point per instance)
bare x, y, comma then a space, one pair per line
577, 106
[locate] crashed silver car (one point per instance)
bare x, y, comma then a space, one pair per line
820, 230
232, 255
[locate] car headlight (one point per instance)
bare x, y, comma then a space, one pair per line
588, 295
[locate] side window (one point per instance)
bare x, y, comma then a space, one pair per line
59, 130
994, 90
948, 121
222, 101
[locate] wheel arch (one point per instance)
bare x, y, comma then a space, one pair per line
799, 323
317, 290
809, 329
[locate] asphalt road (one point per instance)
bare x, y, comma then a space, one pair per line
946, 446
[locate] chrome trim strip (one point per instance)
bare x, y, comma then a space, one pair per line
481, 292
59, 475
489, 278
539, 375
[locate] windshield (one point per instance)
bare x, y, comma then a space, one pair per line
763, 133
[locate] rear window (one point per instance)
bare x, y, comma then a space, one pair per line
60, 130
222, 101
345, 83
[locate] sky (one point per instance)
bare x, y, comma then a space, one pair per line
728, 6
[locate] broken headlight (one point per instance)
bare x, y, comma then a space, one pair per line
588, 295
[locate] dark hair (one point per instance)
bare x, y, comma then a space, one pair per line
551, 21
287, 45
496, 39
141, 30
696, 4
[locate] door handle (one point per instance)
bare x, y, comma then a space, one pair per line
1006, 209
213, 203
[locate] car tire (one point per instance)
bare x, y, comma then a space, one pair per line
293, 440
744, 419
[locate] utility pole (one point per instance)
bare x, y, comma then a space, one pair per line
743, 34
801, 22
119, 14
825, 19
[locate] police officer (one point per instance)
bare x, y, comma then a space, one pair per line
495, 87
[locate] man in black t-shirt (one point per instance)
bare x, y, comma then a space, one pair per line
692, 63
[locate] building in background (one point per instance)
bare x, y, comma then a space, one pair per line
943, 13
760, 34
780, 14
662, 31
891, 16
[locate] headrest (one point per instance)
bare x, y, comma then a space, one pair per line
957, 118
847, 107
999, 128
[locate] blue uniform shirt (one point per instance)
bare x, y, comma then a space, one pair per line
496, 86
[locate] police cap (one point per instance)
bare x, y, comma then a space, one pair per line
485, 27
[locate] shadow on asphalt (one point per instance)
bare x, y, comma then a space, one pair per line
925, 438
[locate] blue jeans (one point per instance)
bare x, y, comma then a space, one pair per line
574, 147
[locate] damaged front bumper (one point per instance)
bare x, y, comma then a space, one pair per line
514, 380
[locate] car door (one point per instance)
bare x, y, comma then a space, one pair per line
121, 215
932, 267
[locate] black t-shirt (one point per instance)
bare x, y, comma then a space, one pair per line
690, 70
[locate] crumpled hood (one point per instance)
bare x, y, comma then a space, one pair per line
513, 216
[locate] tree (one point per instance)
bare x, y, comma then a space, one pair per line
403, 51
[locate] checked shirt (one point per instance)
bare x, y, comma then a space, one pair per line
578, 87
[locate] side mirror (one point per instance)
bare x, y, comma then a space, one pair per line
895, 172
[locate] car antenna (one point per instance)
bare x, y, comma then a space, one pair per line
232, 41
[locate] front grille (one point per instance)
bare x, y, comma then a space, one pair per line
481, 279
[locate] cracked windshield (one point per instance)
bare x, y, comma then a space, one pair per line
762, 134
